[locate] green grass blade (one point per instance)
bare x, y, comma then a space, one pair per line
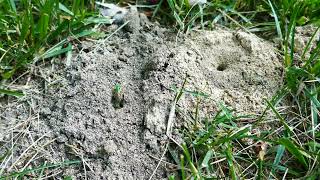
65, 9
21, 174
226, 111
179, 94
84, 33
56, 52
278, 26
157, 9
206, 159
309, 43
314, 111
312, 57
289, 62
286, 126
279, 155
290, 171
67, 178
312, 95
42, 170
97, 20
178, 19
206, 136
283, 92
238, 134
171, 5
43, 26
316, 69
24, 28
183, 175
193, 168
260, 169
292, 27
13, 5
245, 19
229, 156
11, 92
294, 150
76, 7
60, 30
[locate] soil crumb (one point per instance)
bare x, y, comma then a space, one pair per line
73, 116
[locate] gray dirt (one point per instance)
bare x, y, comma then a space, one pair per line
76, 113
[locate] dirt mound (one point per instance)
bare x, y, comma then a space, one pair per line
77, 113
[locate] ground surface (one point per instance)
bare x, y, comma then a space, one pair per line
69, 115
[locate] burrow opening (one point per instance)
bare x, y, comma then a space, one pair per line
222, 67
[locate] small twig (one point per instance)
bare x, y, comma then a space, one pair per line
78, 153
84, 167
114, 32
25, 151
285, 174
156, 158
217, 161
171, 164
171, 119
100, 42
161, 159
168, 133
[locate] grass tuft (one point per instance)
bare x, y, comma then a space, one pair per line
35, 30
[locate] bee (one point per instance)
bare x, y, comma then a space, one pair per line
117, 99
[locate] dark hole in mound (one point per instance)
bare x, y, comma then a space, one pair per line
148, 146
222, 67
86, 50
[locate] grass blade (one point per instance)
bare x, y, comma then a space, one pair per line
229, 157
178, 19
21, 174
97, 20
157, 9
287, 128
174, 155
193, 168
183, 176
292, 27
206, 159
294, 150
179, 94
65, 9
69, 57
238, 134
278, 27
313, 56
226, 111
57, 52
277, 159
309, 43
13, 5
260, 169
11, 92
43, 26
